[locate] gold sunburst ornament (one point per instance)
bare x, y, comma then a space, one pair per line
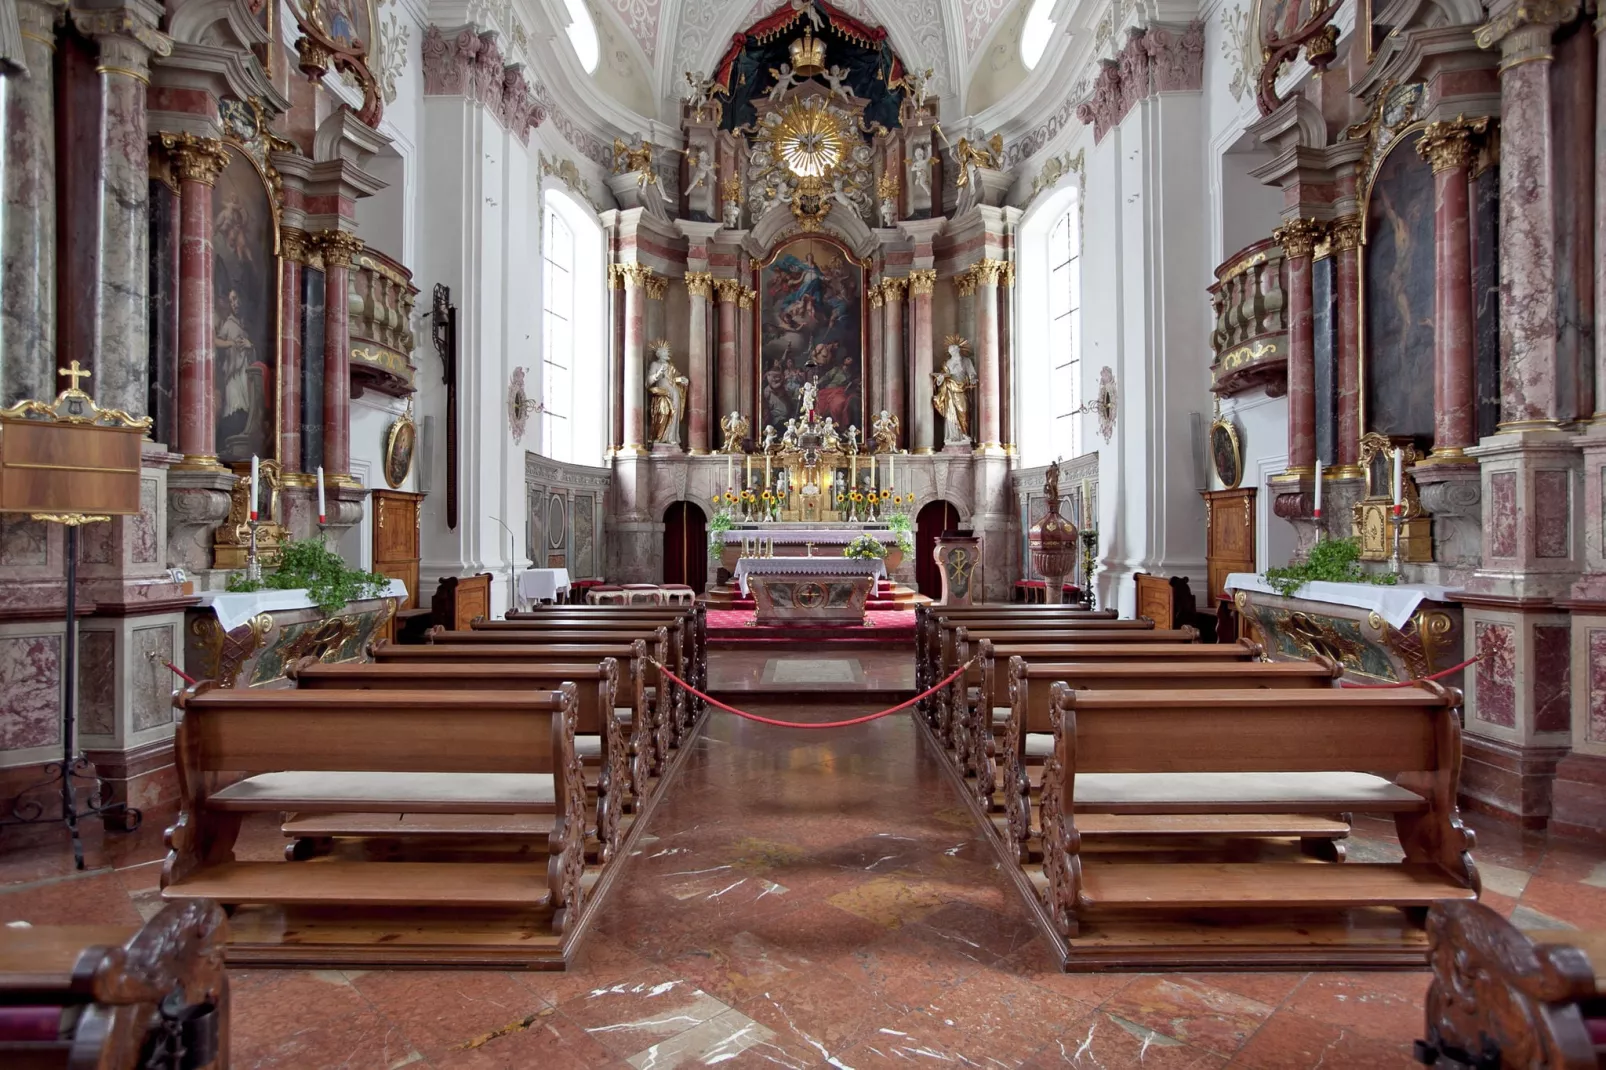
809, 140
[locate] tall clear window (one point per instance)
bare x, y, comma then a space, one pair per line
557, 350
1065, 333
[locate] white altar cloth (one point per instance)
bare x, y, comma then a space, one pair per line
824, 566
800, 536
542, 584
1396, 604
234, 608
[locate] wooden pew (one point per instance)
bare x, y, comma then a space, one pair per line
1504, 998
669, 699
1395, 751
650, 728
599, 737
1027, 739
412, 752
928, 616
698, 614
461, 600
108, 997
947, 631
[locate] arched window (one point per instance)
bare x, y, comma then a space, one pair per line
572, 374
1050, 349
1035, 33
583, 34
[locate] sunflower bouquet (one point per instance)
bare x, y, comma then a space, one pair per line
865, 548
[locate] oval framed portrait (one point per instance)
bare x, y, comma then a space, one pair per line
1227, 453
400, 444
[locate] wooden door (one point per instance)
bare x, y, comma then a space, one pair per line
933, 519
396, 539
686, 546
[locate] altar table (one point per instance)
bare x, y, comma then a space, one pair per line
873, 568
542, 584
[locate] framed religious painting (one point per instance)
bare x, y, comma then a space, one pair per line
400, 444
811, 316
1226, 453
245, 314
349, 23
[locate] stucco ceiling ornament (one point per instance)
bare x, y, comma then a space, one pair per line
807, 155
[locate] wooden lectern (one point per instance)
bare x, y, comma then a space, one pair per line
72, 463
958, 557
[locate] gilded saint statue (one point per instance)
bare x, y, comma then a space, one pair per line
971, 155
735, 427
950, 392
884, 432
666, 395
636, 161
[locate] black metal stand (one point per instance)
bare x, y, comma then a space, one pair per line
73, 765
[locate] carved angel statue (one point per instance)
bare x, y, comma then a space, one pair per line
920, 169
700, 93
637, 161
666, 395
735, 427
950, 392
806, 398
810, 12
834, 78
700, 167
853, 438
789, 436
972, 155
918, 85
768, 442
830, 437
785, 78
884, 429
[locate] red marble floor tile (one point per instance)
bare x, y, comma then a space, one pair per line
1379, 1006
1268, 988
1583, 905
300, 1020
1104, 1040
549, 1041
816, 933
1192, 1010
739, 968
1039, 965
819, 1011
1290, 1041
631, 1015
904, 971
89, 899
991, 1015
986, 936
438, 1010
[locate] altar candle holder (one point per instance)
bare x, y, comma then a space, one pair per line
1398, 520
253, 565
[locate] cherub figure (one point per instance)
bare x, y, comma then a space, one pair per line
920, 169
637, 161
767, 444
830, 438
789, 436
701, 168
785, 79
735, 427
700, 93
810, 12
918, 87
834, 78
853, 438
884, 429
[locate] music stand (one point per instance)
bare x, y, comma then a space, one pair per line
69, 462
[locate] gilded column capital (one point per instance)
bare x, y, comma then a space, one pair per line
338, 247
1452, 143
989, 272
699, 284
922, 281
878, 297
1008, 278
628, 275
730, 290
293, 244
1345, 233
892, 288
1523, 29
656, 286
1298, 237
196, 159
965, 282
749, 295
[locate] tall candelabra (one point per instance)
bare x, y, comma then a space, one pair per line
1090, 549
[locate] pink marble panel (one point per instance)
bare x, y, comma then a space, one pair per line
1596, 731
96, 545
1503, 514
152, 696
1497, 674
30, 691
1553, 690
1552, 512
23, 541
142, 528
97, 683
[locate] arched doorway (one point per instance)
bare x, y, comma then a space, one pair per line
686, 546
933, 519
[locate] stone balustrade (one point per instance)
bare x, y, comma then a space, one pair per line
1250, 339
381, 311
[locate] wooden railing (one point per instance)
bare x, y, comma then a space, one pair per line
381, 310
1250, 340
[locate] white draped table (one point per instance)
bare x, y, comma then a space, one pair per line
234, 608
819, 566
542, 584
1396, 604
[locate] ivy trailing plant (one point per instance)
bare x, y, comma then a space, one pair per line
310, 563
902, 529
718, 528
1329, 561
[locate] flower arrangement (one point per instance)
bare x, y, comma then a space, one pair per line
1330, 560
719, 525
901, 526
865, 547
310, 563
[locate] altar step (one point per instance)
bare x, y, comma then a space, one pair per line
889, 596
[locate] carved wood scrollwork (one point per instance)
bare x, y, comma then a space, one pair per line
319, 52
1321, 37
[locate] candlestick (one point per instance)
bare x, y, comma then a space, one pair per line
254, 498
767, 482
730, 468
1318, 510
853, 460
321, 511
892, 478
1399, 475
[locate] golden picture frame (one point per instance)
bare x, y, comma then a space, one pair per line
1226, 453
401, 443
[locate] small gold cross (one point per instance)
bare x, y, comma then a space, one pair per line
74, 372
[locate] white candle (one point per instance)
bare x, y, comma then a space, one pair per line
892, 479
321, 512
767, 482
1318, 490
1399, 477
730, 470
254, 498
853, 460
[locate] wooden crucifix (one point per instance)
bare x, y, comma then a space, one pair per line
443, 329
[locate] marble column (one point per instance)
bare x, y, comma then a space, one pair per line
616, 314
699, 287
744, 350
730, 373
965, 303
293, 253
636, 277
1298, 239
877, 362
1006, 358
989, 387
1530, 386
28, 298
923, 430
339, 249
1449, 147
1600, 216
126, 38
197, 161
1346, 238
896, 391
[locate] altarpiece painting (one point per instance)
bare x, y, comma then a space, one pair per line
245, 280
811, 295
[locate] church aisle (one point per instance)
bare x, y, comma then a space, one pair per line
812, 899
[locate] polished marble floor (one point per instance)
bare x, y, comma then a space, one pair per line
814, 899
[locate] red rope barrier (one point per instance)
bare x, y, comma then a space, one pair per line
828, 724
180, 673
1451, 671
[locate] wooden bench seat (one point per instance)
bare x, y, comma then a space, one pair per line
368, 751
695, 616
927, 618
602, 724
1410, 736
1151, 826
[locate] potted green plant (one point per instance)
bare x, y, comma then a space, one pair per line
310, 564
